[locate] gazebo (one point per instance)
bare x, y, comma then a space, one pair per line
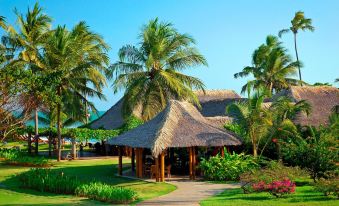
179, 125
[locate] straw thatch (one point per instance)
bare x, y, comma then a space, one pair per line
322, 99
179, 125
213, 103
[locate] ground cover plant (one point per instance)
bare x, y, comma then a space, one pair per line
47, 180
229, 167
16, 157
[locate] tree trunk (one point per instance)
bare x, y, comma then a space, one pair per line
296, 54
50, 144
254, 144
59, 125
36, 128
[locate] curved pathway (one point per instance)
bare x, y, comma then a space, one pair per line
189, 193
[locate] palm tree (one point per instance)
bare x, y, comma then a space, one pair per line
272, 67
75, 59
151, 73
253, 117
33, 30
3, 22
299, 22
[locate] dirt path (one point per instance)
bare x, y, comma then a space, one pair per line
189, 193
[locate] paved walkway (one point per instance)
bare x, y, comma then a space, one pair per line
188, 193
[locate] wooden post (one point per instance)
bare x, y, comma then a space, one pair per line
120, 161
157, 169
29, 143
133, 160
191, 162
194, 162
162, 167
140, 163
137, 161
222, 152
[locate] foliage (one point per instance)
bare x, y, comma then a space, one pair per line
328, 186
229, 167
150, 74
130, 123
106, 193
318, 153
272, 172
17, 157
276, 188
272, 67
252, 117
47, 180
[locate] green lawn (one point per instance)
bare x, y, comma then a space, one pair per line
304, 196
98, 169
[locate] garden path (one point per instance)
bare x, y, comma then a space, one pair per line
188, 193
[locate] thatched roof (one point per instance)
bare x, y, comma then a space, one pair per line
322, 99
112, 118
213, 103
179, 125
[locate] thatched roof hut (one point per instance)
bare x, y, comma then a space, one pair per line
179, 125
213, 103
322, 99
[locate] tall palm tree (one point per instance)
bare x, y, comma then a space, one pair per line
271, 67
3, 22
299, 22
253, 117
151, 73
32, 34
75, 59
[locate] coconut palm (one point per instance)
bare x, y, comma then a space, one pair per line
3, 22
253, 117
299, 22
75, 59
33, 30
151, 73
271, 67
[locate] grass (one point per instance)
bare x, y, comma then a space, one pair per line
304, 196
99, 169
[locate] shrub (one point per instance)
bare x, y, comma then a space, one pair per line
12, 156
277, 188
228, 167
330, 185
272, 172
47, 180
106, 193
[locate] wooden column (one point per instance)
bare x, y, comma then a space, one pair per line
120, 161
133, 160
162, 167
137, 161
222, 152
191, 162
140, 166
194, 162
157, 169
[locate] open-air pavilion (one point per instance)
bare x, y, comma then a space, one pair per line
180, 125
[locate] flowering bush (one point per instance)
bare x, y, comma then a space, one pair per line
275, 188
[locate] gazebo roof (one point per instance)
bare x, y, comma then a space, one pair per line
179, 125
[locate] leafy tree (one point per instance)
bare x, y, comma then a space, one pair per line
151, 73
75, 59
299, 22
253, 117
31, 36
271, 67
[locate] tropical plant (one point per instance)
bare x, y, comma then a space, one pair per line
151, 73
252, 117
16, 157
75, 59
32, 34
328, 186
299, 22
229, 167
3, 22
278, 188
271, 67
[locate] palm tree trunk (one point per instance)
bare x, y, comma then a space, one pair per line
59, 125
36, 127
254, 144
296, 54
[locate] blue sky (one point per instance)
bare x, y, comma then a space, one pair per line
226, 32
